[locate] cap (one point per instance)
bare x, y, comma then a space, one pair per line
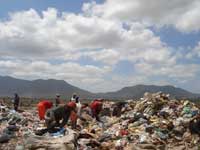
57, 95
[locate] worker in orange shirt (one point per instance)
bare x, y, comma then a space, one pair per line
43, 106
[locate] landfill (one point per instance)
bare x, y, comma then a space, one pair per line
156, 121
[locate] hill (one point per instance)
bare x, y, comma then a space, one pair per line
135, 92
39, 88
48, 89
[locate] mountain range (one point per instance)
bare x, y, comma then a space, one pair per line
48, 89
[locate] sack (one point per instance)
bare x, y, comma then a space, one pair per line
4, 138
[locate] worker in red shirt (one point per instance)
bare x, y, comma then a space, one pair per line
96, 107
42, 108
73, 115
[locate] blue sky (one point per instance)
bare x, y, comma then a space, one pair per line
178, 39
102, 45
61, 5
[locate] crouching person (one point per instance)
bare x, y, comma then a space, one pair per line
59, 116
96, 108
118, 108
43, 106
55, 115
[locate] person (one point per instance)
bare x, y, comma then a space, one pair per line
73, 115
58, 101
96, 107
74, 96
77, 100
16, 102
78, 106
117, 110
2, 105
53, 116
43, 106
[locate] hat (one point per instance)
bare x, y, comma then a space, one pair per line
100, 99
58, 95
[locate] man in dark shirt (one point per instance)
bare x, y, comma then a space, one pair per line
16, 101
55, 115
117, 110
58, 101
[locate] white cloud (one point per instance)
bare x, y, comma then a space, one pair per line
174, 71
51, 46
28, 35
116, 82
193, 53
189, 21
71, 72
70, 36
196, 50
182, 14
107, 56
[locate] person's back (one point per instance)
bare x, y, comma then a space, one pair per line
43, 106
47, 104
56, 114
60, 112
117, 110
96, 107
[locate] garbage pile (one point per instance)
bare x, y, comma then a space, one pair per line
18, 131
154, 122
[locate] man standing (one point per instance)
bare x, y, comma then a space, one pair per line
58, 101
74, 96
16, 101
78, 106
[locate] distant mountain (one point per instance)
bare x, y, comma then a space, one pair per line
48, 89
135, 92
39, 88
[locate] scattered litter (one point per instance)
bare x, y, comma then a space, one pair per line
153, 122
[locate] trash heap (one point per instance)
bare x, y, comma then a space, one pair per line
153, 122
18, 132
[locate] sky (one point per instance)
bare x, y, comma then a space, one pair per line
102, 45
